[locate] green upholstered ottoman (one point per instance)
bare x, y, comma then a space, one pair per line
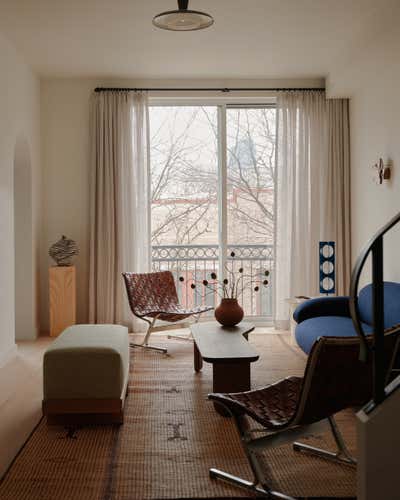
85, 375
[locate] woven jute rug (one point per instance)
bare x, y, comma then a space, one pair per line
170, 438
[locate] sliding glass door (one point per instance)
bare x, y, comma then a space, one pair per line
250, 197
212, 178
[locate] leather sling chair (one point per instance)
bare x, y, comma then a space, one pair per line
152, 297
334, 379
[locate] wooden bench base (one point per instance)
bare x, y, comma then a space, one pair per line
83, 411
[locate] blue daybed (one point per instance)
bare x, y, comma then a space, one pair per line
330, 316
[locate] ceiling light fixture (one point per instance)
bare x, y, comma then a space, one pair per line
183, 19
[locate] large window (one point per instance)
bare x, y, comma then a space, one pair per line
212, 177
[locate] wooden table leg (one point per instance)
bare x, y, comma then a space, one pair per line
230, 377
198, 360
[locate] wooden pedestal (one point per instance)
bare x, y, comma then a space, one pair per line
62, 295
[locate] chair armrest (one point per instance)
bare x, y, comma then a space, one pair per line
322, 306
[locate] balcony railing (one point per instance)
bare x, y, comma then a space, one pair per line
197, 262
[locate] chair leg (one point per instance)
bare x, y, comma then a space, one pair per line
259, 484
181, 337
237, 481
145, 344
189, 337
342, 454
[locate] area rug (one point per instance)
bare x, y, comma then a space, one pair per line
170, 438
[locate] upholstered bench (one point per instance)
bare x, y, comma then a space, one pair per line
85, 375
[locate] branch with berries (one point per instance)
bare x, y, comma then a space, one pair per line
233, 286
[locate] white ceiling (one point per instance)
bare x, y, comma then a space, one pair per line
250, 38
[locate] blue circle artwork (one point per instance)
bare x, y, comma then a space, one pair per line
327, 267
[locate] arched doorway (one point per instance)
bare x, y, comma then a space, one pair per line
23, 251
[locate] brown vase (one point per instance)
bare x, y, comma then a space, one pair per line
229, 312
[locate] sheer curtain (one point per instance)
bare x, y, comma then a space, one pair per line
312, 169
337, 190
119, 201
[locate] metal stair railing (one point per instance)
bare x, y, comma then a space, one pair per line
376, 349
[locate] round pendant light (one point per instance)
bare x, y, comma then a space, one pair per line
183, 19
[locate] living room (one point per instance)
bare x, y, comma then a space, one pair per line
237, 149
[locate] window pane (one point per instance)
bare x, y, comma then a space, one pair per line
184, 211
250, 203
184, 175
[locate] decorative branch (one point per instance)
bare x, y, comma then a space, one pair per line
230, 289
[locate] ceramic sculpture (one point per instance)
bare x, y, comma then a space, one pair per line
63, 251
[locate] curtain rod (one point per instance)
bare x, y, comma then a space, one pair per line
224, 90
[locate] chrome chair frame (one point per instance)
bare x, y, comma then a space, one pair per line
187, 338
151, 328
152, 297
303, 416
252, 447
149, 331
342, 455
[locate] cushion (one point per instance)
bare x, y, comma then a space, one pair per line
311, 329
392, 304
87, 361
322, 306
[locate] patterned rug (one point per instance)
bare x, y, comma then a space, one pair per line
170, 438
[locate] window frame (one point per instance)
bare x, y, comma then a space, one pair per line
223, 104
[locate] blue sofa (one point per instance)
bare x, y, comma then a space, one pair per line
330, 316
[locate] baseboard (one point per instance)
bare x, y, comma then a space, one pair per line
6, 356
29, 334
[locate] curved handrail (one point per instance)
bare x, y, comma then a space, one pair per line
355, 277
374, 246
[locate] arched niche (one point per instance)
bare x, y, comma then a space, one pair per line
23, 242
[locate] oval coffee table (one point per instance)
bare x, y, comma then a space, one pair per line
227, 349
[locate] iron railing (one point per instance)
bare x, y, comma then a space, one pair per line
197, 262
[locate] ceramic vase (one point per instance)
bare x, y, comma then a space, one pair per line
229, 312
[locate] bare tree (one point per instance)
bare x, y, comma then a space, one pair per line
251, 170
183, 188
184, 174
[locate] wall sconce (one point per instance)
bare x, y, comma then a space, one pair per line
381, 172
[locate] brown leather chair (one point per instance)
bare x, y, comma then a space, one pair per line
152, 297
334, 379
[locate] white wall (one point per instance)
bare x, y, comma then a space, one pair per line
65, 148
372, 80
20, 144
